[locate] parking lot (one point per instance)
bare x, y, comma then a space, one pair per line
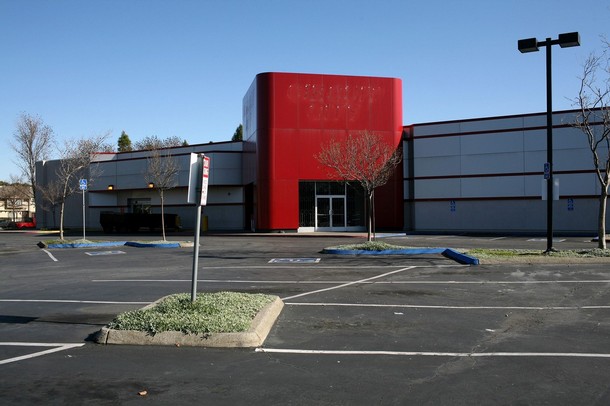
354, 330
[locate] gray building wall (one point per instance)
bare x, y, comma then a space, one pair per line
126, 173
483, 175
486, 175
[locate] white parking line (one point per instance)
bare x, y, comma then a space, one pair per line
348, 283
435, 354
57, 347
363, 281
50, 255
408, 306
71, 301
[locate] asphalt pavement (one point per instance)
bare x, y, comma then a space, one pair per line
421, 330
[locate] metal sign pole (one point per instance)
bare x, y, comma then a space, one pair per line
196, 255
199, 187
82, 184
83, 214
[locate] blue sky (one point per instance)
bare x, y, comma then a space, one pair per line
181, 67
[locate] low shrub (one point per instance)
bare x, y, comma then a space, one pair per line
222, 312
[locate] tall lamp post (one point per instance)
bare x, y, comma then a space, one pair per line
571, 39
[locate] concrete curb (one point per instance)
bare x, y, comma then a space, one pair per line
254, 337
459, 257
152, 244
86, 245
447, 252
169, 244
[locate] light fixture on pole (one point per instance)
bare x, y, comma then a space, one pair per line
570, 39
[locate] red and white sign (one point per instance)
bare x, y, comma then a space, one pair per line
198, 179
204, 180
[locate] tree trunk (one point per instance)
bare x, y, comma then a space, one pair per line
61, 221
369, 210
373, 220
601, 220
162, 216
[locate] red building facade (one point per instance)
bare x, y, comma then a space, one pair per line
288, 117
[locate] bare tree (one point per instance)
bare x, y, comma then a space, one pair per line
50, 197
16, 195
161, 172
32, 142
364, 158
593, 119
75, 163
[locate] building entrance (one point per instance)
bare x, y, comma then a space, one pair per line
330, 206
330, 213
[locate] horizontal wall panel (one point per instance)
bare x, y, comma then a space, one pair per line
437, 188
534, 161
438, 166
534, 140
533, 185
435, 129
537, 120
492, 163
492, 143
569, 138
572, 160
578, 184
434, 147
494, 125
506, 186
505, 216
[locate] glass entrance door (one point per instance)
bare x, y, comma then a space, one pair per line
330, 213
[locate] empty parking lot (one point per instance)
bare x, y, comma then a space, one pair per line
355, 330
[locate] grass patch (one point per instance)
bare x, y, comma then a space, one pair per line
78, 241
368, 246
222, 312
520, 253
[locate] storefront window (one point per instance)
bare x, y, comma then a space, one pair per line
307, 205
329, 210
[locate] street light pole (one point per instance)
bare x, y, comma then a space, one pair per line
549, 150
571, 39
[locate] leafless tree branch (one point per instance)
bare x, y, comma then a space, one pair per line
364, 158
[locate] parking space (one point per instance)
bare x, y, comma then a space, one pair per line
355, 330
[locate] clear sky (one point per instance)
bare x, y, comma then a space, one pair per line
181, 67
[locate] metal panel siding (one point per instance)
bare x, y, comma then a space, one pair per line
438, 166
435, 147
575, 184
438, 188
492, 163
304, 111
492, 143
536, 120
572, 159
486, 125
357, 102
535, 140
507, 186
434, 129
534, 161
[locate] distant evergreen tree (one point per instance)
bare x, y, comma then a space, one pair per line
239, 134
124, 143
153, 142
